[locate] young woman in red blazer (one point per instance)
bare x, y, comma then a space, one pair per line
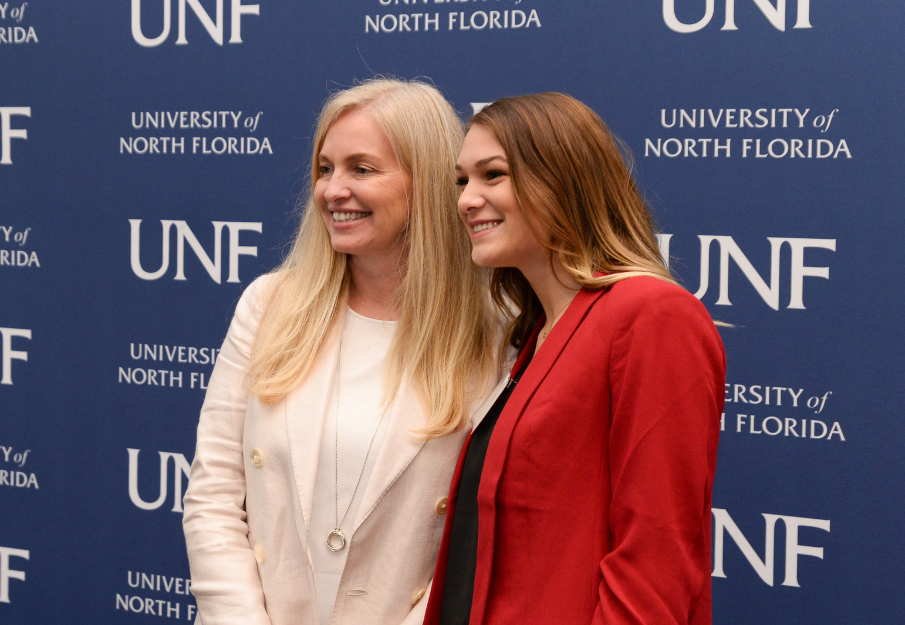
584, 496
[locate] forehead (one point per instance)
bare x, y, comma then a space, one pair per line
356, 133
479, 144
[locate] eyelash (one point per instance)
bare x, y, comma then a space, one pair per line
360, 170
489, 175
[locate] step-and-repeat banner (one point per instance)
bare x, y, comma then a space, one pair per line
151, 155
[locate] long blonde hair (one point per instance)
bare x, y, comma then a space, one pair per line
569, 176
446, 338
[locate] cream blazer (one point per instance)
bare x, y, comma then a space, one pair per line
248, 503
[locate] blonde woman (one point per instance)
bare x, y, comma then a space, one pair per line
335, 414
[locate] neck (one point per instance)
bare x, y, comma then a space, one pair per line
373, 287
553, 286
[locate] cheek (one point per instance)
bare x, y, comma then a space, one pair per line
522, 233
320, 188
384, 194
463, 219
401, 206
398, 202
518, 226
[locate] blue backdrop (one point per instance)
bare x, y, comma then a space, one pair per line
152, 153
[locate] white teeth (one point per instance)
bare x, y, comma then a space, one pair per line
348, 216
486, 226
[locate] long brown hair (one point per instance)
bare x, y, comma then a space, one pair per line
445, 339
569, 176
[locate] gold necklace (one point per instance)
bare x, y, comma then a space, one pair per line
555, 319
337, 532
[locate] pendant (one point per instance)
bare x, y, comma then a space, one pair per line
337, 533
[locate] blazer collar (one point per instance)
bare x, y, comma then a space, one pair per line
495, 461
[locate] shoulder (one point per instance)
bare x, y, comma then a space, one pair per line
253, 302
651, 320
256, 296
644, 297
653, 309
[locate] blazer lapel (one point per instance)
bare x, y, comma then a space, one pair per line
306, 414
399, 448
495, 461
480, 409
400, 445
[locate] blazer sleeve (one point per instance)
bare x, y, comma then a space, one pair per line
667, 376
225, 578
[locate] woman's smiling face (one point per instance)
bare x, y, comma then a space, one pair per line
500, 234
361, 190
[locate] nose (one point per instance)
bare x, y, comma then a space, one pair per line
469, 200
337, 188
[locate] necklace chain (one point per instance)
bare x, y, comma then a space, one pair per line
554, 320
337, 532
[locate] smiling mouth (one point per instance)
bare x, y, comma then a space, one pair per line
487, 225
341, 217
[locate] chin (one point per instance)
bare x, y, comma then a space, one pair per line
483, 260
345, 247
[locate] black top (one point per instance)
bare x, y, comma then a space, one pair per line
463, 538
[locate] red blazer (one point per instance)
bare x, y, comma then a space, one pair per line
594, 503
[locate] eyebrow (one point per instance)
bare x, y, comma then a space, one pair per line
484, 161
353, 157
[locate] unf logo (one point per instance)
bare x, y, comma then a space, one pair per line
723, 524
213, 28
7, 132
768, 291
184, 234
181, 468
9, 354
776, 15
7, 572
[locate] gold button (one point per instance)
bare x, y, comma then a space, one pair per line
260, 556
442, 505
418, 596
257, 458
